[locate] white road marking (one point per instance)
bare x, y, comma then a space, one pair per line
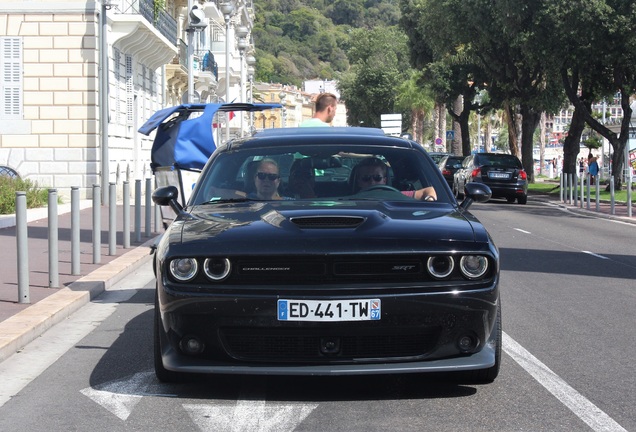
20, 369
523, 231
596, 255
249, 416
592, 415
120, 397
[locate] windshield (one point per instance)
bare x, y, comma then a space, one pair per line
318, 172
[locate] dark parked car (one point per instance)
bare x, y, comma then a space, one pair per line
449, 165
326, 278
437, 156
503, 173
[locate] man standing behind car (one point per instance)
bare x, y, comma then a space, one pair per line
325, 111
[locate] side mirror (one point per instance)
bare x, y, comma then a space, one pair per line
167, 196
475, 192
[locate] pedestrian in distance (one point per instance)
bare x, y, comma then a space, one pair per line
593, 168
324, 111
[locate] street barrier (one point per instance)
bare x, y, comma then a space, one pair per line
75, 240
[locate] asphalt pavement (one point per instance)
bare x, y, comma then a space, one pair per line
20, 323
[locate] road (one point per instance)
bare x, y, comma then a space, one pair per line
568, 297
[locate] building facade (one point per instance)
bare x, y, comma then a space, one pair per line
64, 123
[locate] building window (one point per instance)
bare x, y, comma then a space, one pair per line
8, 172
11, 77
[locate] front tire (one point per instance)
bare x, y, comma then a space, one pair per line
522, 199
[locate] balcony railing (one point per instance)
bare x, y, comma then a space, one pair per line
162, 21
207, 63
203, 60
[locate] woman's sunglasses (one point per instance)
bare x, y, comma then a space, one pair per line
375, 177
268, 176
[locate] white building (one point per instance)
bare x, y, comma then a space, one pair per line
60, 129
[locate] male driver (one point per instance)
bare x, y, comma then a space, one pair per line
325, 111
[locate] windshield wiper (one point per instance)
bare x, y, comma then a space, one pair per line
217, 200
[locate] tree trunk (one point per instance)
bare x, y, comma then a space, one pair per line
488, 137
572, 146
542, 144
457, 146
529, 121
513, 133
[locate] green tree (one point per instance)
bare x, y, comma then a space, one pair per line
379, 59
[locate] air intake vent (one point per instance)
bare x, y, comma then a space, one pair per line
327, 221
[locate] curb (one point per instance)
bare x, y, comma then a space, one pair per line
583, 211
28, 324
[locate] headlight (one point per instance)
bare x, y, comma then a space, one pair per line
440, 267
473, 266
217, 269
184, 269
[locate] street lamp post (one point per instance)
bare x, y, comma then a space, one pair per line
282, 96
242, 32
251, 61
226, 10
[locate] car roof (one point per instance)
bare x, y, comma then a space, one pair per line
319, 135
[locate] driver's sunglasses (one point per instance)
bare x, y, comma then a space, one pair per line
375, 178
268, 176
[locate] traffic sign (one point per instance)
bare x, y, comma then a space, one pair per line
450, 135
438, 141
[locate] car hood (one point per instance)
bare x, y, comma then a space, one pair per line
324, 227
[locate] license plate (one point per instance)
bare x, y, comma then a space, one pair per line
498, 175
330, 310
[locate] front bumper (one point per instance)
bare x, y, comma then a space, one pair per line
416, 333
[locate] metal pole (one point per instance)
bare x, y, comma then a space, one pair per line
561, 187
612, 198
569, 188
628, 181
54, 281
148, 207
576, 190
22, 237
582, 190
587, 191
103, 97
157, 217
75, 231
97, 226
190, 59
227, 75
112, 220
138, 211
126, 203
598, 194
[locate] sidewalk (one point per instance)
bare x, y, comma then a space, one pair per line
21, 323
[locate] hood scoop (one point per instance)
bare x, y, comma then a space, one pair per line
306, 222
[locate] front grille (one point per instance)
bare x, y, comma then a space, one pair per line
304, 345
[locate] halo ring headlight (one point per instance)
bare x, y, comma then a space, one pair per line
440, 266
217, 269
184, 269
473, 266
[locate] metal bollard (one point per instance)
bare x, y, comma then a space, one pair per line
561, 188
22, 237
598, 195
148, 207
138, 211
126, 229
54, 277
75, 231
112, 220
582, 190
576, 190
612, 197
97, 225
629, 198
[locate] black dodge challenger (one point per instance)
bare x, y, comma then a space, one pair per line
325, 251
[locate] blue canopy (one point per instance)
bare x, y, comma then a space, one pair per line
184, 142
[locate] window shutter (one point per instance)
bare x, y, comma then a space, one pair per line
11, 79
